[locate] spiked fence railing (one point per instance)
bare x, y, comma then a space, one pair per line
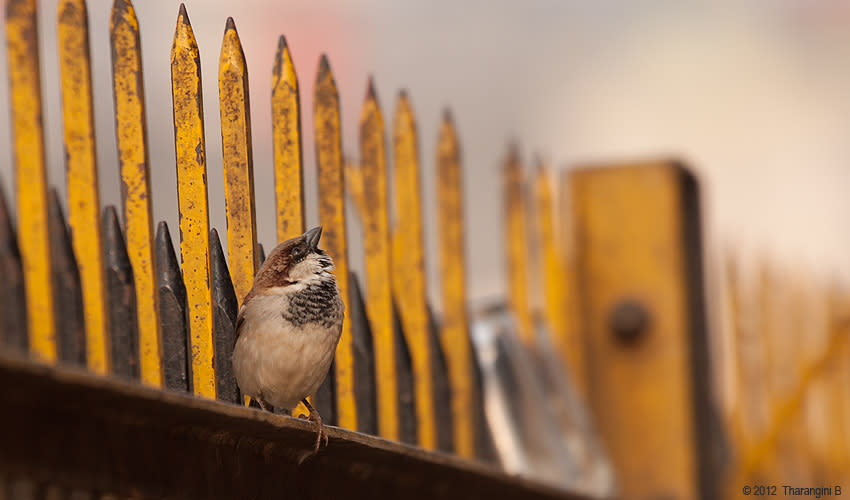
616, 253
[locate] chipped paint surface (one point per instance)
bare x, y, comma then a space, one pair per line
238, 162
454, 333
286, 140
192, 201
82, 179
331, 180
131, 132
408, 263
376, 256
30, 174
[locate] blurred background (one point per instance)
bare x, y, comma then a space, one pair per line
754, 96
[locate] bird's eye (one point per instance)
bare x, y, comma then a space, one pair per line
298, 253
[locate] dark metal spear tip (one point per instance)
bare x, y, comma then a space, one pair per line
168, 269
312, 237
370, 89
113, 237
223, 292
324, 67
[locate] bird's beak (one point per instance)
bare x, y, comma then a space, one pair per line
312, 237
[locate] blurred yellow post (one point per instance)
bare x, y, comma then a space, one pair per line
638, 248
376, 242
30, 175
131, 131
331, 178
286, 139
454, 334
192, 200
81, 170
408, 267
237, 156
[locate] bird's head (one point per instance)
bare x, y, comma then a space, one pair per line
296, 260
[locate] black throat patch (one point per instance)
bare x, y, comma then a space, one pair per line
318, 303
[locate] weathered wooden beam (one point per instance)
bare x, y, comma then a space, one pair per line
196, 448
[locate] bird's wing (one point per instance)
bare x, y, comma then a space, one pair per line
240, 318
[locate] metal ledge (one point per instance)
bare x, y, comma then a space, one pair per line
76, 430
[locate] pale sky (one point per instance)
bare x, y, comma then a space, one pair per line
755, 97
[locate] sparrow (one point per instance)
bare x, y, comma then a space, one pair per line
288, 327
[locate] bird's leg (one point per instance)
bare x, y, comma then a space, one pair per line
262, 404
314, 417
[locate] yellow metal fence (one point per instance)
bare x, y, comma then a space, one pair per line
616, 252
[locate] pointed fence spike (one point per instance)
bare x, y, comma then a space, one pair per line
172, 314
442, 389
331, 180
364, 360
407, 424
225, 308
136, 198
190, 148
68, 296
13, 307
122, 294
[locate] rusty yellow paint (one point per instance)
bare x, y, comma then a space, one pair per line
376, 243
288, 166
81, 171
629, 235
238, 162
408, 267
286, 140
331, 178
192, 200
131, 131
30, 175
354, 186
574, 342
516, 245
454, 333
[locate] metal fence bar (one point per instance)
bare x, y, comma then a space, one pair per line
81, 170
124, 332
172, 315
136, 199
13, 308
286, 140
516, 246
192, 200
376, 242
30, 174
235, 109
68, 294
454, 332
225, 307
326, 121
408, 268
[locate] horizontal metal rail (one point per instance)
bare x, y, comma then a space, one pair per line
69, 428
